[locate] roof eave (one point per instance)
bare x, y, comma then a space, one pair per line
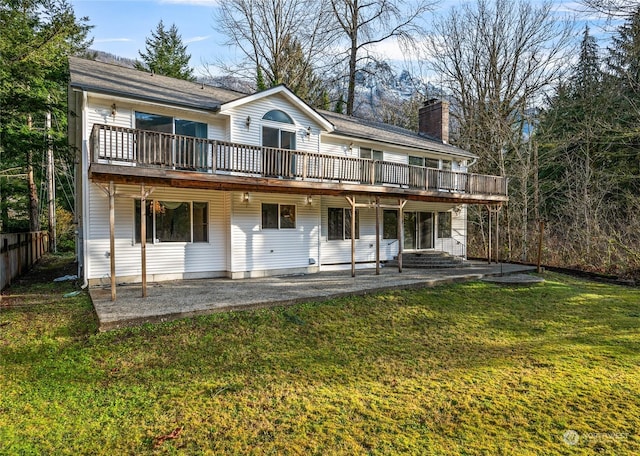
129, 95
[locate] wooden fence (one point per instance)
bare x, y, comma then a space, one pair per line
19, 252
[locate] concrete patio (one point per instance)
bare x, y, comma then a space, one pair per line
184, 298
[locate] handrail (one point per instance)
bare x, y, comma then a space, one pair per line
154, 149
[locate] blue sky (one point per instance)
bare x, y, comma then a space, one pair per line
121, 26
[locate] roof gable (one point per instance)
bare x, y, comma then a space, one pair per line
287, 94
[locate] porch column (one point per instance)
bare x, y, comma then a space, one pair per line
489, 243
497, 234
143, 239
352, 202
377, 235
401, 204
112, 235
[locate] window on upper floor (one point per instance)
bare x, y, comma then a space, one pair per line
279, 138
371, 154
278, 116
339, 221
424, 161
168, 124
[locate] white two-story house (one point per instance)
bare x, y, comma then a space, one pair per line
177, 179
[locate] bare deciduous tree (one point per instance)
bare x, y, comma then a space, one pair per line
366, 23
496, 57
271, 35
613, 8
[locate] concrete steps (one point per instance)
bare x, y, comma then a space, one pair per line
429, 260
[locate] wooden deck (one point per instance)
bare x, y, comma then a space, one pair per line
136, 156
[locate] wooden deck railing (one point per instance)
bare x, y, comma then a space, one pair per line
153, 149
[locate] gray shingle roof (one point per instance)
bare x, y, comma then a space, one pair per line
108, 78
390, 134
100, 77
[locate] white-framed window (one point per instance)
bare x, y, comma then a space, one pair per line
424, 161
173, 221
278, 216
444, 225
389, 224
168, 124
339, 223
366, 152
278, 136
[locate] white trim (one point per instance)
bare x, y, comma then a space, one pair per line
138, 102
328, 126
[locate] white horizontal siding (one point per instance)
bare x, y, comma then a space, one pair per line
339, 251
252, 135
257, 249
164, 258
396, 157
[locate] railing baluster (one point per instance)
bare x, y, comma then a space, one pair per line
147, 148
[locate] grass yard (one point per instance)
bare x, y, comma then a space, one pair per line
463, 369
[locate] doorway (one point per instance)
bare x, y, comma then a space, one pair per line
418, 230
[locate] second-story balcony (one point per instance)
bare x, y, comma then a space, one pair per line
206, 160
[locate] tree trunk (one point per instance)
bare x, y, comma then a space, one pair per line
351, 89
34, 222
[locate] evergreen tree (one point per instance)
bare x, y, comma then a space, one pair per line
260, 84
37, 37
340, 105
624, 55
166, 54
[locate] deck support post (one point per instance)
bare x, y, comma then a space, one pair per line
112, 236
489, 239
377, 235
143, 239
401, 204
497, 235
352, 202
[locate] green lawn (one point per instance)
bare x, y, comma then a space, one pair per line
463, 369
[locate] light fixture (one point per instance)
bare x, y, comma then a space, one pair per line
248, 121
308, 131
309, 200
457, 209
114, 110
245, 197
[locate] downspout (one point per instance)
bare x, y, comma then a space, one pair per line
84, 178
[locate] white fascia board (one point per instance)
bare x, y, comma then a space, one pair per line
292, 97
140, 103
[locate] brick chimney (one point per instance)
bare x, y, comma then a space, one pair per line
433, 119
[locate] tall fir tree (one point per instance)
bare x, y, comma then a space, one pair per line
37, 37
166, 54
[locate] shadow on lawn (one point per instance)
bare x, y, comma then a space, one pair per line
381, 335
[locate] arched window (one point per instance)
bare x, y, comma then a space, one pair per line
278, 116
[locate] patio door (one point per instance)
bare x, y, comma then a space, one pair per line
418, 230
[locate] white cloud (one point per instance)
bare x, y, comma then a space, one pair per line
192, 2
195, 39
113, 40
